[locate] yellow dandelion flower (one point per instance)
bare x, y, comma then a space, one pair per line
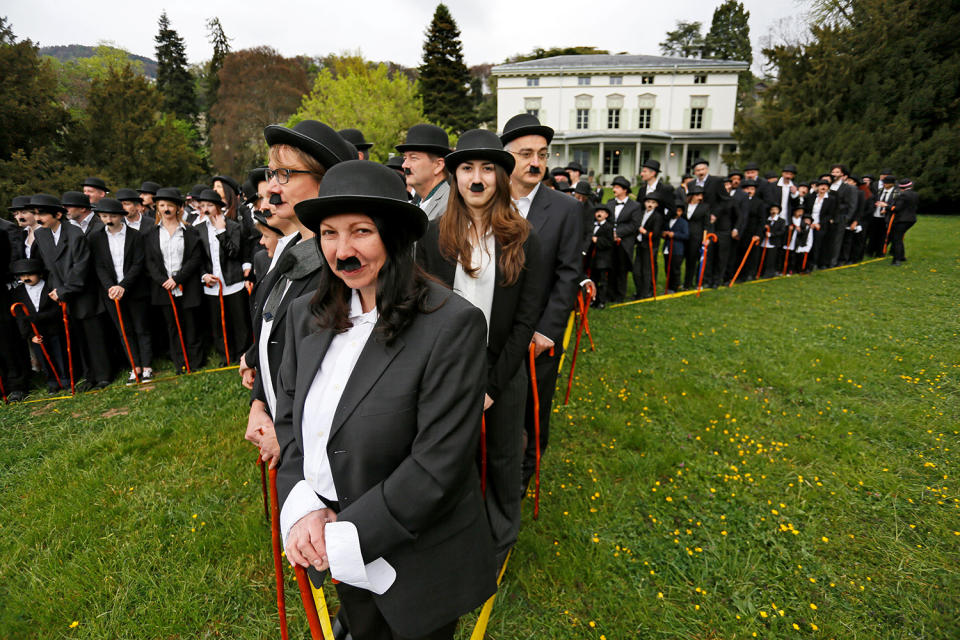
796, 627
660, 595
74, 624
813, 606
763, 614
814, 627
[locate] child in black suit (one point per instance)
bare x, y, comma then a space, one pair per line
676, 231
601, 261
773, 236
45, 315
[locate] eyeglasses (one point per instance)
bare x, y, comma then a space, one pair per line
282, 175
527, 154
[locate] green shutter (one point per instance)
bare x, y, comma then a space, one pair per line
686, 119
655, 119
573, 119
707, 118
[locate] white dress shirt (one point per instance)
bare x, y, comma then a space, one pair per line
134, 224
523, 204
281, 245
116, 242
56, 235
784, 192
478, 290
887, 196
817, 206
35, 291
171, 247
641, 233
617, 208
214, 242
691, 209
83, 224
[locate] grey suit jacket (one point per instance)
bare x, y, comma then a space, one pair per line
402, 450
437, 204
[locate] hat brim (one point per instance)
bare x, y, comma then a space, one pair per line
48, 208
436, 150
277, 134
219, 203
499, 157
311, 213
177, 201
364, 146
529, 130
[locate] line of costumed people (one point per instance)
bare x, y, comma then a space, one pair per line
711, 231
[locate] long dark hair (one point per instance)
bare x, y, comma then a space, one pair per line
401, 288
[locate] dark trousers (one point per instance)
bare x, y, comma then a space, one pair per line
57, 353
644, 273
14, 361
671, 267
833, 244
749, 270
88, 339
137, 329
546, 367
691, 273
796, 264
718, 254
236, 309
737, 249
365, 621
602, 280
772, 262
504, 442
850, 247
622, 265
897, 233
876, 234
816, 251
191, 341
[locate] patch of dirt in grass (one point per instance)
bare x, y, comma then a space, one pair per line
116, 411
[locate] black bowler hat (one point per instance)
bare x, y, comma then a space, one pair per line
867, 175
769, 174
109, 205
694, 189
256, 176
886, 180
905, 183
395, 163
197, 190
854, 177
751, 166
170, 194
564, 186
358, 186
575, 166
749, 182
601, 205
47, 203
355, 137
149, 187
659, 197
886, 172
651, 164
583, 188
524, 124
26, 266
128, 194
621, 181
75, 199
261, 220
96, 183
19, 203
426, 137
700, 161
480, 144
735, 172
209, 195
228, 180
249, 191
790, 168
313, 138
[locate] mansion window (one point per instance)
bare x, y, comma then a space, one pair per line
582, 80
700, 78
613, 118
646, 118
611, 161
583, 118
696, 118
646, 79
616, 79
533, 82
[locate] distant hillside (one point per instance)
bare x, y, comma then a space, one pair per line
74, 51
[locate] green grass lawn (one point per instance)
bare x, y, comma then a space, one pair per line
772, 460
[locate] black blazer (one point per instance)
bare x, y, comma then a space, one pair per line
402, 450
626, 224
697, 223
70, 269
11, 233
828, 210
905, 206
713, 192
515, 309
681, 233
556, 219
190, 268
653, 225
134, 270
602, 249
231, 252
846, 205
48, 318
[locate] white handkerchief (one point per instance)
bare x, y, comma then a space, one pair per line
346, 561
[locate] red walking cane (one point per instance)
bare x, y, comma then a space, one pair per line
263, 482
536, 428
126, 343
309, 604
787, 256
66, 329
3, 392
483, 454
13, 312
176, 319
653, 271
707, 238
277, 560
886, 239
576, 348
584, 309
223, 321
763, 254
746, 255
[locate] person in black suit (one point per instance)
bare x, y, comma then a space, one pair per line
649, 225
675, 234
846, 206
381, 387
714, 193
625, 223
14, 359
588, 202
651, 182
752, 213
26, 219
877, 231
822, 204
556, 218
487, 253
698, 218
66, 256
80, 212
601, 252
136, 215
174, 260
118, 258
45, 315
773, 237
147, 192
904, 211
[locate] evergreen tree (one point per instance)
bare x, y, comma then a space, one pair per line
729, 39
685, 41
221, 47
173, 77
444, 79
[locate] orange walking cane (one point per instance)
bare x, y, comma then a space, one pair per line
536, 428
576, 348
309, 604
176, 319
3, 392
263, 482
483, 454
787, 256
13, 312
886, 240
763, 254
126, 343
584, 309
223, 321
746, 255
653, 269
66, 329
703, 259
277, 560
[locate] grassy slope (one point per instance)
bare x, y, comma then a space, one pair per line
746, 455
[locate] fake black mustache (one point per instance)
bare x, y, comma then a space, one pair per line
350, 264
275, 199
407, 172
534, 171
476, 187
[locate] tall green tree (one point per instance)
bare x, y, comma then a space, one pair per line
685, 41
173, 77
211, 81
729, 39
444, 79
351, 92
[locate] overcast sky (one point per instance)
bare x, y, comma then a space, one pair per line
491, 30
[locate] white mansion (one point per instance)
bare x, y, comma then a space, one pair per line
613, 112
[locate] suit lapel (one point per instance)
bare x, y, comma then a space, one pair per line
373, 361
538, 210
127, 250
